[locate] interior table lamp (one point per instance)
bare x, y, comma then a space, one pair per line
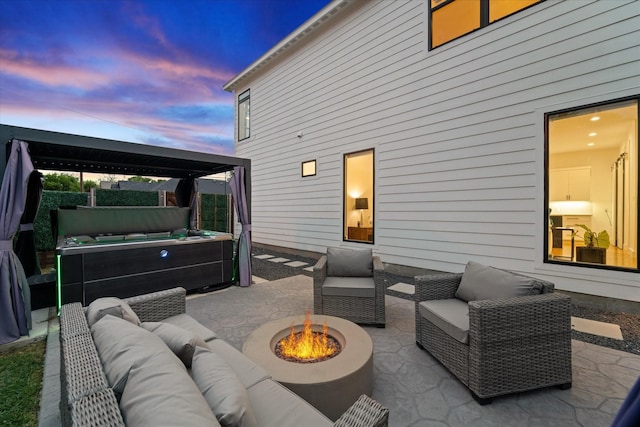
361, 204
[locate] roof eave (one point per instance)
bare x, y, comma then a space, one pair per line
304, 30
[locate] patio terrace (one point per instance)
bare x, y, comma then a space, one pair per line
416, 388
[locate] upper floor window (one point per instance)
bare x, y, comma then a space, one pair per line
450, 19
244, 128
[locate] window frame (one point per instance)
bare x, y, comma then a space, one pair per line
307, 162
244, 97
345, 225
546, 243
484, 18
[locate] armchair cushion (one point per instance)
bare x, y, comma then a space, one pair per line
450, 315
361, 287
349, 262
480, 282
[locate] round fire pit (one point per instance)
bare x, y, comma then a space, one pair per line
330, 385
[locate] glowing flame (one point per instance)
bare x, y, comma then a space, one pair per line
307, 344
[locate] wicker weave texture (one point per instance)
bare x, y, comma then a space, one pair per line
356, 309
99, 409
157, 306
515, 343
365, 412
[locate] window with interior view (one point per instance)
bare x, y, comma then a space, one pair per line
450, 19
244, 130
358, 196
592, 185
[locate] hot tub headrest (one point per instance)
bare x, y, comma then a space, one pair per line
120, 220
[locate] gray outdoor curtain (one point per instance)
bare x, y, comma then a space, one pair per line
243, 249
25, 247
15, 299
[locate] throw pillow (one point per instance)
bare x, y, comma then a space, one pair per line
349, 262
113, 306
182, 342
221, 388
480, 282
121, 345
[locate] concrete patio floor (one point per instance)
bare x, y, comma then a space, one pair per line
417, 390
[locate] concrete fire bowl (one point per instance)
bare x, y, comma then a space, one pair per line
331, 385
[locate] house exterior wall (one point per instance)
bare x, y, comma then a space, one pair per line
458, 131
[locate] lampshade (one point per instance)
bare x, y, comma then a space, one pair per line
362, 203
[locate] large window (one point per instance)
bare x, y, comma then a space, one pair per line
450, 19
244, 102
358, 196
592, 185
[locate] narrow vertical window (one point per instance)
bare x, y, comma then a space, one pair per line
592, 185
359, 196
244, 102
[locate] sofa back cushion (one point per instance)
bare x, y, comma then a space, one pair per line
223, 391
161, 393
349, 262
181, 341
113, 306
480, 282
121, 345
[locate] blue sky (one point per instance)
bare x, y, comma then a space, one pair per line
145, 71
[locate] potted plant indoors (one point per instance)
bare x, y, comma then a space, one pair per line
595, 246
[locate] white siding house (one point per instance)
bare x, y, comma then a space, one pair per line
458, 131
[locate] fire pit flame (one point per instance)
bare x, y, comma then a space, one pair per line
308, 345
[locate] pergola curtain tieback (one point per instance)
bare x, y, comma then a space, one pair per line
6, 245
26, 227
246, 227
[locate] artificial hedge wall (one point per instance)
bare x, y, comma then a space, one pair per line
52, 200
126, 198
214, 212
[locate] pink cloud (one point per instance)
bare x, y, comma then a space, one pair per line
50, 74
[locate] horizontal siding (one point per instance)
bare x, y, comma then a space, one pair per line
455, 132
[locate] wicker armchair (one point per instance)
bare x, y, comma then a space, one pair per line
347, 290
514, 343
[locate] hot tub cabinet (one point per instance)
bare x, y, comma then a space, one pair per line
93, 262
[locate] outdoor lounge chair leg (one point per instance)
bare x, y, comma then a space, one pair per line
565, 386
481, 400
380, 325
420, 346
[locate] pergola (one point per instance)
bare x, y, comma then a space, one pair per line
57, 151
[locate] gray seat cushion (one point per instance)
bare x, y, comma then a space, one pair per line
362, 287
349, 262
277, 406
480, 282
247, 371
450, 315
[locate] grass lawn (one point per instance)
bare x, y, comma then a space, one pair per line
20, 384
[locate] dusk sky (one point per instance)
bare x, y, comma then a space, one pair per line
145, 71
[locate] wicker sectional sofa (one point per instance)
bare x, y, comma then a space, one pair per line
156, 388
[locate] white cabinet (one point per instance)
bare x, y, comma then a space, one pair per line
570, 184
